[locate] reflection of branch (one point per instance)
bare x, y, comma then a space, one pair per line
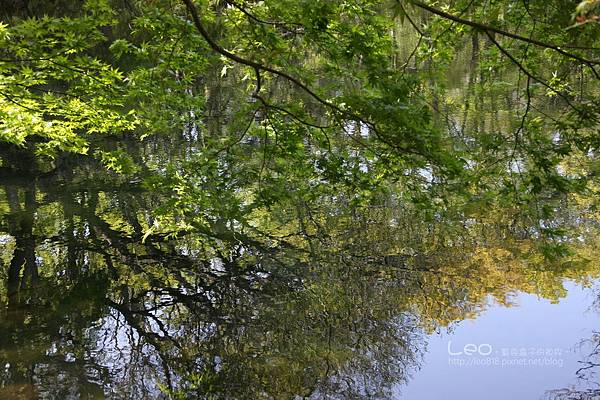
152, 337
588, 365
572, 394
528, 92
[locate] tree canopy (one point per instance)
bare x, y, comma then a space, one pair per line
283, 97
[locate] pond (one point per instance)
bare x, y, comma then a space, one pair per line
281, 199
373, 307
532, 350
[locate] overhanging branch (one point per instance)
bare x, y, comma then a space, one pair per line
487, 28
261, 67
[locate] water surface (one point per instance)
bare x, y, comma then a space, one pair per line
535, 347
93, 306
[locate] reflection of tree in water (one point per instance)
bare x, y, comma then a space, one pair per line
89, 310
587, 386
333, 303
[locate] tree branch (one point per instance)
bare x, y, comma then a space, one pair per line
261, 21
260, 67
487, 28
529, 74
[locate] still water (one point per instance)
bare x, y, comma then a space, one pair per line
376, 303
528, 351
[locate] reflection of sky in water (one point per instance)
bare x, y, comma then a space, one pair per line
532, 324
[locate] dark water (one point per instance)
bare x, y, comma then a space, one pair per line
92, 309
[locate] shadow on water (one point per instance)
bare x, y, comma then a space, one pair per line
90, 308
